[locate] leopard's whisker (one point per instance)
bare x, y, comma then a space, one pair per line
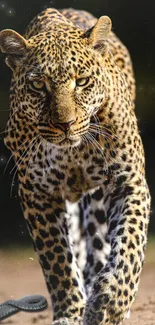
109, 139
86, 140
105, 135
103, 128
27, 151
13, 155
99, 147
33, 155
95, 144
89, 138
23, 155
4, 131
4, 110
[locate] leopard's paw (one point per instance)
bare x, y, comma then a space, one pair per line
109, 303
68, 321
109, 315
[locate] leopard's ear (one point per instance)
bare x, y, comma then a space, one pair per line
98, 34
14, 46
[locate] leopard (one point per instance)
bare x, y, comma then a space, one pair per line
80, 161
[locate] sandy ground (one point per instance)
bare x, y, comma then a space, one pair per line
20, 275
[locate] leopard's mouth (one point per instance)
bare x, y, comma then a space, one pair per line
63, 141
59, 138
67, 142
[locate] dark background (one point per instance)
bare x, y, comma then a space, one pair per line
134, 22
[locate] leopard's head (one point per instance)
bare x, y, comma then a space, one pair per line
58, 78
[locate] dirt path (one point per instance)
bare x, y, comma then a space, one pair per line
21, 275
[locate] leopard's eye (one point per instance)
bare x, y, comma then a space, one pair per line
37, 85
81, 82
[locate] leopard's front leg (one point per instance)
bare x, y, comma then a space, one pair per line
116, 285
47, 222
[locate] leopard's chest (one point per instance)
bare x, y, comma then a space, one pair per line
73, 175
81, 179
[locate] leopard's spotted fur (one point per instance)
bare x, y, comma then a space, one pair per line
74, 137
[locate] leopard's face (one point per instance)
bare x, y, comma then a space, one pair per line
58, 79
61, 86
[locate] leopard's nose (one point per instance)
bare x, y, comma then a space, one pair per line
64, 126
